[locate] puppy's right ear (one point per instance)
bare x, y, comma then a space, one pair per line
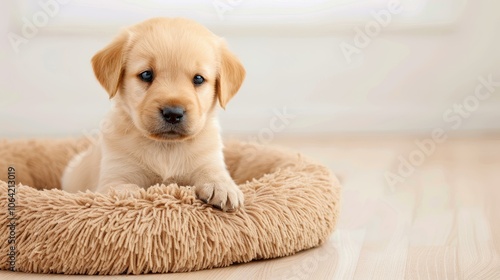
108, 64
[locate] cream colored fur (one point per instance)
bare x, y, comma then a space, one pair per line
134, 150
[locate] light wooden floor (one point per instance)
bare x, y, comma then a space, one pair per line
441, 222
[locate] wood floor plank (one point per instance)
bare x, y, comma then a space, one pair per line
433, 248
348, 244
477, 257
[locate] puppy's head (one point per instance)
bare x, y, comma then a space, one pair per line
168, 75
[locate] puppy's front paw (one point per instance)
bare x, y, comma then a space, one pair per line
226, 196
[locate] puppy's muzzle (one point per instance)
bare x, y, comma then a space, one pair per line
173, 115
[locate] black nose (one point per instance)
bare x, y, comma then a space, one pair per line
173, 115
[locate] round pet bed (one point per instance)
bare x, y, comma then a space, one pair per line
291, 204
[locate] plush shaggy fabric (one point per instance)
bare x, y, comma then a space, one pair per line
291, 204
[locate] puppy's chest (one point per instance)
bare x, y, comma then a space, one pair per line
167, 163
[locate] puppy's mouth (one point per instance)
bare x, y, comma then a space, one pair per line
169, 134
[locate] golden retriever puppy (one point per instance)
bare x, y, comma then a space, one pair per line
164, 77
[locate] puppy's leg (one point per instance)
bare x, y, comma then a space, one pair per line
122, 175
214, 185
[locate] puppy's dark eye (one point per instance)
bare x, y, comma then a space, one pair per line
198, 80
146, 76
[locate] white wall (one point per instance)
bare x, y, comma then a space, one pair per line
427, 59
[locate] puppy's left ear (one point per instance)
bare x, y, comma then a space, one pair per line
108, 64
230, 77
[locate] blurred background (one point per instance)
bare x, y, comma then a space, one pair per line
333, 66
401, 99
